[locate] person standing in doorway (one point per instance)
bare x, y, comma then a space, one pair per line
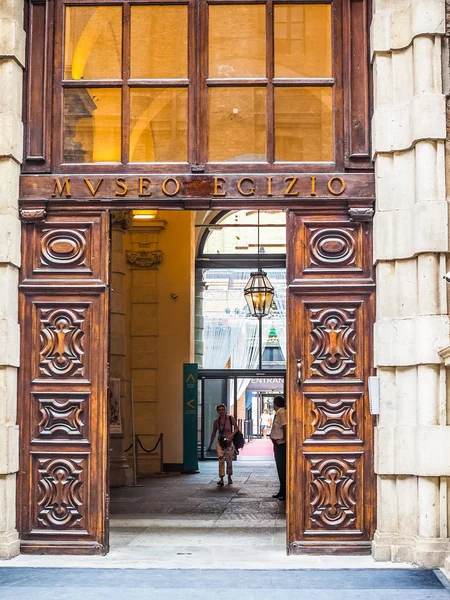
278, 437
265, 422
226, 426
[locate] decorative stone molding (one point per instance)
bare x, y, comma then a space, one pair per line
122, 218
144, 260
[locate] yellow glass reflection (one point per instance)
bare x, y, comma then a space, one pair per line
304, 124
158, 125
237, 41
92, 125
302, 40
237, 124
158, 42
93, 42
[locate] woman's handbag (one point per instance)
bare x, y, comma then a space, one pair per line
238, 440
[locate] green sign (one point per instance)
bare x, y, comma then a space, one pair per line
190, 417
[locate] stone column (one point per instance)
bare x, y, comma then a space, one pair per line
143, 258
120, 471
412, 458
12, 60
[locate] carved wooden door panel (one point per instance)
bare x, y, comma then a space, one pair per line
63, 378
331, 502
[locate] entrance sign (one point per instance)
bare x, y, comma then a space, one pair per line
258, 186
190, 417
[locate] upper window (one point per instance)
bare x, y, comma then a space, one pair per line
196, 83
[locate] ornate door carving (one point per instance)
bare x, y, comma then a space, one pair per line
330, 287
63, 379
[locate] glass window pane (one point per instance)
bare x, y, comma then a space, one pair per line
302, 40
237, 41
158, 125
238, 233
237, 124
230, 335
92, 125
93, 42
158, 42
304, 124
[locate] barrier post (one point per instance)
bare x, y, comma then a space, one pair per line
135, 459
161, 454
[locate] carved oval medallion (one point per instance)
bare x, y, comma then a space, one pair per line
332, 247
62, 248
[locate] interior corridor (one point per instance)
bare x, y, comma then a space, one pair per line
188, 517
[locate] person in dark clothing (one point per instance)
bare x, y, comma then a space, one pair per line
278, 437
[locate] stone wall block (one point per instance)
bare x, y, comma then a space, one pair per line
427, 65
11, 76
8, 504
430, 167
395, 187
428, 500
428, 280
117, 303
396, 24
11, 140
398, 128
400, 451
402, 77
384, 460
144, 320
383, 88
10, 343
406, 396
117, 283
406, 233
9, 449
118, 259
9, 297
406, 283
387, 498
387, 414
407, 504
406, 342
9, 186
12, 37
430, 227
428, 391
8, 396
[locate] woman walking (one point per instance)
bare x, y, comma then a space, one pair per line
265, 422
226, 426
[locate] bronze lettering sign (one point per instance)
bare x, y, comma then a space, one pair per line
202, 187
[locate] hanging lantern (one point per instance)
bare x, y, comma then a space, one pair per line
259, 294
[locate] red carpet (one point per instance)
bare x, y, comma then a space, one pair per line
257, 447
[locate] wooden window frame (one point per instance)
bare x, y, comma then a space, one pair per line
350, 83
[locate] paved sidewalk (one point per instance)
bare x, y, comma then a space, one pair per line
104, 584
186, 522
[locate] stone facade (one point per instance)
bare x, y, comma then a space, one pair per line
410, 248
12, 60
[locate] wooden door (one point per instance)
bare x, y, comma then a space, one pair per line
331, 496
62, 495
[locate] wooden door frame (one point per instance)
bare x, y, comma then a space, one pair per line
42, 280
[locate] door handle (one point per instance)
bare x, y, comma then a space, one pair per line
299, 371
